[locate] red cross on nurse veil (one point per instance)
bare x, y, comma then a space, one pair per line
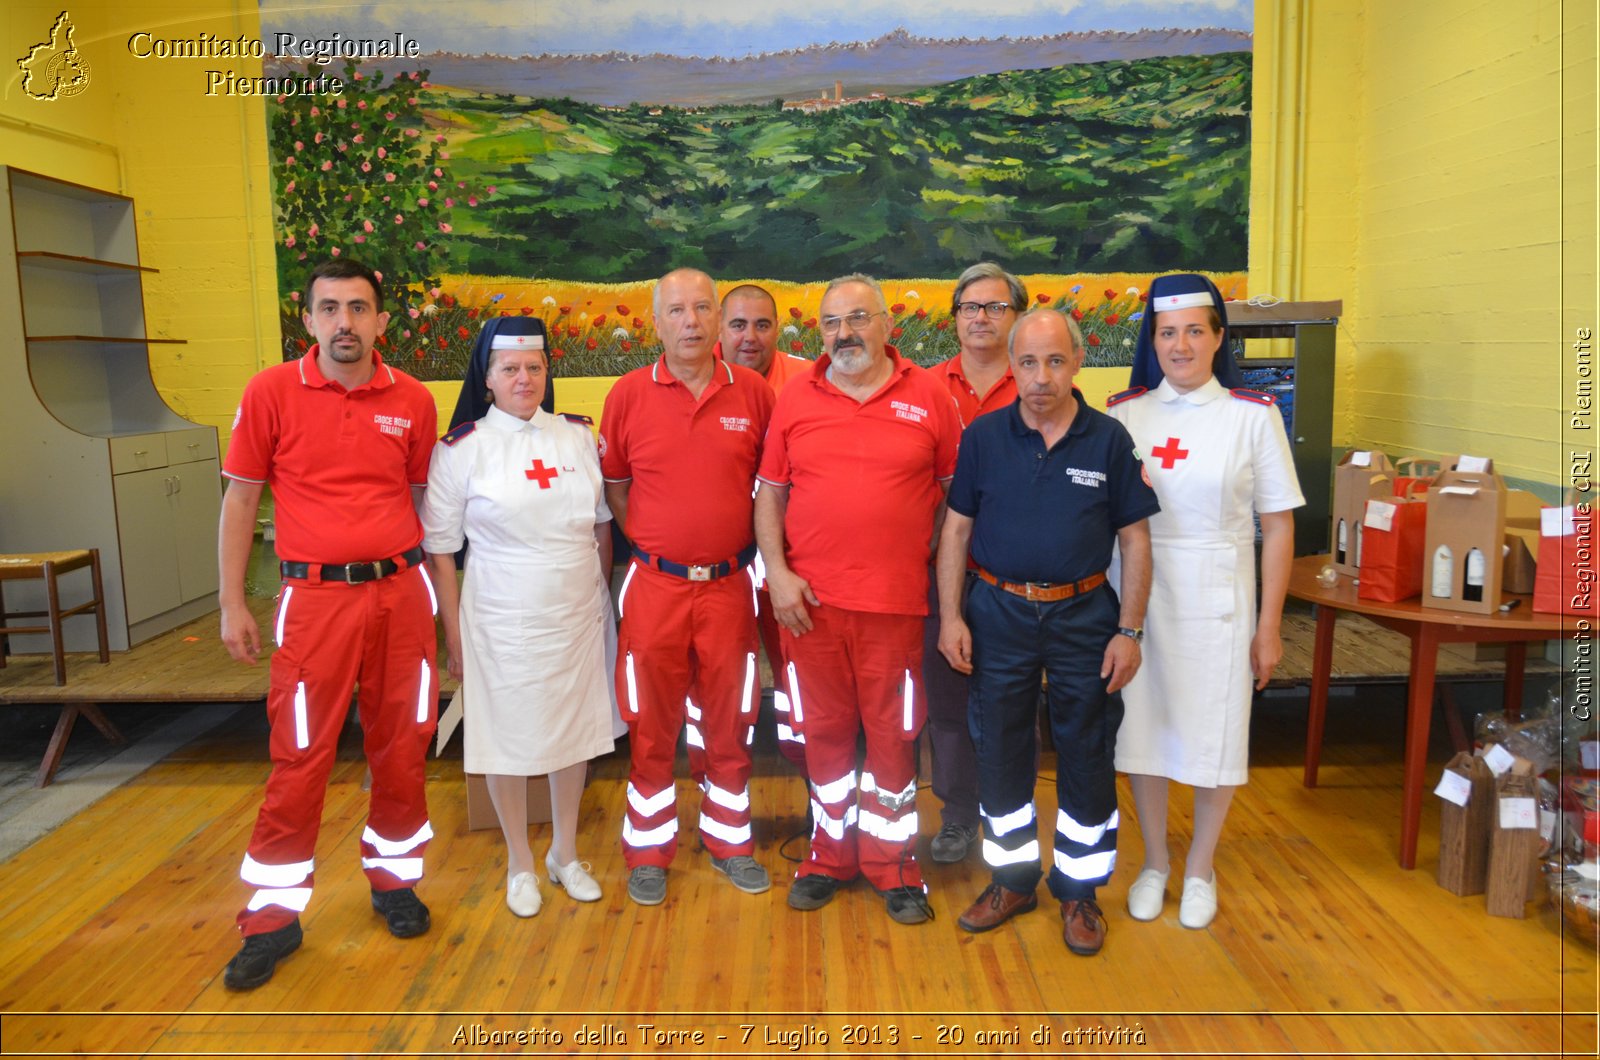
1169, 454
541, 474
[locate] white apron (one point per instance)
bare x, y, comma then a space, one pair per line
1213, 460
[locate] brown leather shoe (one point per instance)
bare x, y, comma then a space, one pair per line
995, 906
1084, 927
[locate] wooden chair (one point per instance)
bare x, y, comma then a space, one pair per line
50, 566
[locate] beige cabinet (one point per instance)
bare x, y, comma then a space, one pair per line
95, 457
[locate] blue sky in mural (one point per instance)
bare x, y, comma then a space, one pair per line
729, 28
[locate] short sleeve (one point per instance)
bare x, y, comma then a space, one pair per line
424, 432
444, 505
1277, 486
1133, 497
615, 465
762, 403
774, 466
255, 434
591, 453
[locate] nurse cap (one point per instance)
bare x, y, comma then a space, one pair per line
1183, 290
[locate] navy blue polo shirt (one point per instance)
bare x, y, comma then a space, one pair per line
1048, 515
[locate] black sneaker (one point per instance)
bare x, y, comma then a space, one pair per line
406, 915
907, 905
952, 843
813, 892
256, 961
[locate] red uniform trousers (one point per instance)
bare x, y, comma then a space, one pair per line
854, 671
687, 650
791, 743
329, 635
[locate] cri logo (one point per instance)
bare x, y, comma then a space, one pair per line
55, 68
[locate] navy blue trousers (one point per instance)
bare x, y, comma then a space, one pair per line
1015, 642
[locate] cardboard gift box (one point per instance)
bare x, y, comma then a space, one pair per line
1363, 475
480, 808
1462, 553
1513, 845
1522, 542
1467, 791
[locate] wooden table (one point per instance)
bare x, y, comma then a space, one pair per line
1426, 628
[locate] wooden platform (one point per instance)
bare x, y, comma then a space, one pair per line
114, 931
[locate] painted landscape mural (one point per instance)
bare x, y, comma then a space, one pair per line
562, 184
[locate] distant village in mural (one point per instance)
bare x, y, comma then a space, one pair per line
562, 185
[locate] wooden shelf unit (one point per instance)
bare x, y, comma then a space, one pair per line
95, 458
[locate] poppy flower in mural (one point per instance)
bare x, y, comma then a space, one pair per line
565, 310
1077, 314
444, 342
557, 354
811, 322
421, 352
1043, 299
1094, 340
897, 308
472, 314
796, 346
941, 325
638, 323
1110, 294
795, 313
573, 332
1144, 297
622, 310
302, 344
527, 310
1112, 318
422, 328
626, 345
895, 333
591, 344
599, 321
921, 314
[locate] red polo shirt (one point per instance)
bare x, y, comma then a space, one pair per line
968, 402
341, 463
863, 484
692, 463
783, 368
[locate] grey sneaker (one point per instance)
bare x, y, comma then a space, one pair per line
744, 872
952, 843
813, 892
647, 885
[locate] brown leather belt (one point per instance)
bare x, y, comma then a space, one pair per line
1045, 592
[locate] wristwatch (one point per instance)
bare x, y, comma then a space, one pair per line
1136, 632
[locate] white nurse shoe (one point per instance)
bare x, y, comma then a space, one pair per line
574, 878
1147, 895
522, 894
1199, 905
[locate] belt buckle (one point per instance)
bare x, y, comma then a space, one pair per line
1034, 591
699, 573
373, 565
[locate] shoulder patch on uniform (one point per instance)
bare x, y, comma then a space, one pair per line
1131, 392
1257, 397
577, 417
458, 432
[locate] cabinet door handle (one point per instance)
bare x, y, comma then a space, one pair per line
141, 452
177, 484
167, 482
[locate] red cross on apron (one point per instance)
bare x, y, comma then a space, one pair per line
1170, 454
541, 474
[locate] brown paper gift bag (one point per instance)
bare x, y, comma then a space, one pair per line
1464, 830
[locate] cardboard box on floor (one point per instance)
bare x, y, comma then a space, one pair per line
1363, 475
1522, 541
480, 809
1461, 557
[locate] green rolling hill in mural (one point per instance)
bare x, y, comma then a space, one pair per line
1122, 166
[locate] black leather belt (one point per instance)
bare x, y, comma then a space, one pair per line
708, 572
369, 570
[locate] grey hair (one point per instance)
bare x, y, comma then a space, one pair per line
1073, 331
988, 270
858, 277
655, 294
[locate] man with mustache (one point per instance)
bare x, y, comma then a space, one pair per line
750, 337
344, 441
1042, 491
679, 444
985, 305
857, 459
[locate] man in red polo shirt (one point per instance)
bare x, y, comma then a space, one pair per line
750, 337
344, 440
985, 304
857, 459
679, 445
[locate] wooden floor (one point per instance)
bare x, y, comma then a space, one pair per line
115, 928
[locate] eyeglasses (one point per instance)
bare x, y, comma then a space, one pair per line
995, 310
857, 320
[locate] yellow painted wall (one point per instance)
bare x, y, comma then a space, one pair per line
196, 167
1409, 160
